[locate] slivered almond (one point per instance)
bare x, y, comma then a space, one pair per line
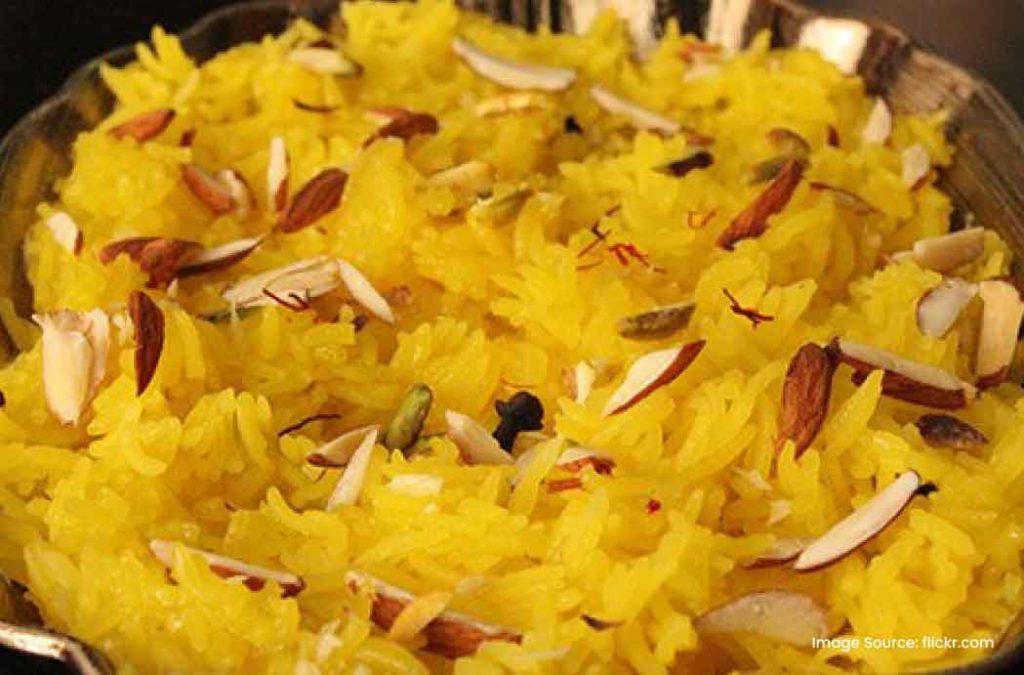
916, 165
649, 373
584, 376
350, 485
861, 525
946, 431
577, 458
904, 379
323, 61
512, 74
1000, 324
278, 168
159, 257
657, 323
405, 124
65, 232
363, 291
148, 321
449, 634
783, 550
781, 615
253, 577
878, 127
510, 102
939, 307
805, 396
305, 279
640, 117
946, 252
217, 258
475, 443
237, 187
317, 198
336, 453
788, 142
845, 199
474, 177
753, 220
75, 346
207, 189
144, 127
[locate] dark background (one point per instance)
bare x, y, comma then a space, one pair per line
42, 41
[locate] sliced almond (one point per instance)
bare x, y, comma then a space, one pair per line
475, 443
238, 188
512, 74
323, 61
753, 220
946, 252
338, 452
65, 232
474, 177
217, 258
1000, 325
207, 189
148, 321
306, 279
939, 307
781, 615
584, 376
805, 396
278, 168
577, 458
510, 102
363, 292
649, 373
318, 197
405, 124
845, 199
916, 165
658, 323
782, 551
946, 431
144, 127
861, 525
75, 346
252, 576
640, 117
904, 379
159, 257
450, 634
878, 127
350, 485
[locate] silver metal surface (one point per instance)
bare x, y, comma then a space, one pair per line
986, 179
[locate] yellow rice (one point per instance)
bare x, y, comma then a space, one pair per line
498, 307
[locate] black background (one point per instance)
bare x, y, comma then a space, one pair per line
42, 41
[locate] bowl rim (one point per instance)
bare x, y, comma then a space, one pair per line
1009, 653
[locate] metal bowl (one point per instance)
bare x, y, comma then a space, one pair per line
986, 180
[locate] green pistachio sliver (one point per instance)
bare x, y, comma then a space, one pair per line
657, 323
406, 425
500, 208
788, 142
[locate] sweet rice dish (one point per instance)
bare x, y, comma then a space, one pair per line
424, 344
